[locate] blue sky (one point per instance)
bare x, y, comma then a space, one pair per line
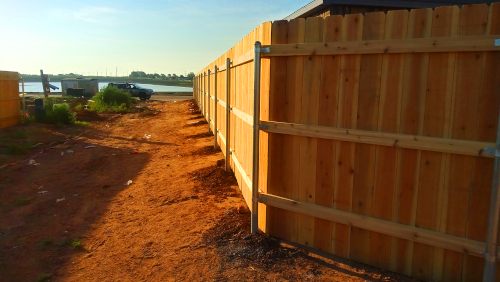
91, 36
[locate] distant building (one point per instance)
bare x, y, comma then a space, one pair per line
326, 8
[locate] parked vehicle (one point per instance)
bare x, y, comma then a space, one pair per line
134, 90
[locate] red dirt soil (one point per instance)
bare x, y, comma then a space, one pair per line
74, 218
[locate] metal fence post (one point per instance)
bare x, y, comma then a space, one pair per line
256, 130
216, 102
204, 95
490, 255
228, 113
208, 99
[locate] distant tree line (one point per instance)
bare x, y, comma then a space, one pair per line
132, 75
161, 76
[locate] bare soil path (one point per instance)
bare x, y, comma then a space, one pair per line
139, 197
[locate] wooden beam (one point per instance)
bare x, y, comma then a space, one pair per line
452, 146
242, 171
238, 61
243, 59
222, 138
222, 103
246, 118
402, 231
416, 45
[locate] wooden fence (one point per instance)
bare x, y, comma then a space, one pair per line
373, 138
235, 84
9, 99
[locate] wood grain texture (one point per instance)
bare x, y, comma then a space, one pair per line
440, 107
9, 99
351, 30
367, 119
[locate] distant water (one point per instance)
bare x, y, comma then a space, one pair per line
37, 87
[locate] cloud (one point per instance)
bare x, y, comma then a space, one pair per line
95, 14
88, 14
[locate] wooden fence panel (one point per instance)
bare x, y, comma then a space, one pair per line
380, 100
418, 94
278, 220
9, 99
240, 103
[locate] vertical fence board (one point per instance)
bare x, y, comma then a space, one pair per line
488, 107
386, 157
326, 149
279, 102
351, 30
488, 103
295, 70
265, 38
412, 108
368, 102
309, 98
437, 123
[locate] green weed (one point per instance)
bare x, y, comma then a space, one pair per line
111, 99
78, 107
44, 277
22, 201
45, 243
76, 244
82, 123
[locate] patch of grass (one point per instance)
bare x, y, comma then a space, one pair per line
19, 134
45, 243
78, 107
111, 99
76, 244
58, 113
82, 123
44, 277
17, 148
15, 142
22, 201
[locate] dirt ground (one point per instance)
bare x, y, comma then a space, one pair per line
138, 197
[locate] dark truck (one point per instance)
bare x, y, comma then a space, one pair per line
134, 90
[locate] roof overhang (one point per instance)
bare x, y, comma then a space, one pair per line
318, 5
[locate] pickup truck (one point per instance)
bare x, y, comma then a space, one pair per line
134, 90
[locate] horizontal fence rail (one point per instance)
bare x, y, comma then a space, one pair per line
417, 45
452, 146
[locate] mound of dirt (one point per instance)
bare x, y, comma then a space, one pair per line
215, 181
237, 246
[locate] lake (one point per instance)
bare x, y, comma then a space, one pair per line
37, 87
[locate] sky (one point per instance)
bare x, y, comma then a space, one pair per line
116, 37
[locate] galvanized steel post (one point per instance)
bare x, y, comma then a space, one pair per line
204, 95
256, 130
228, 113
215, 107
208, 99
202, 101
490, 256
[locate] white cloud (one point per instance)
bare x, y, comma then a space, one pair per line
88, 14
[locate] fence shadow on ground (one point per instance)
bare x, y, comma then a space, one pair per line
48, 206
